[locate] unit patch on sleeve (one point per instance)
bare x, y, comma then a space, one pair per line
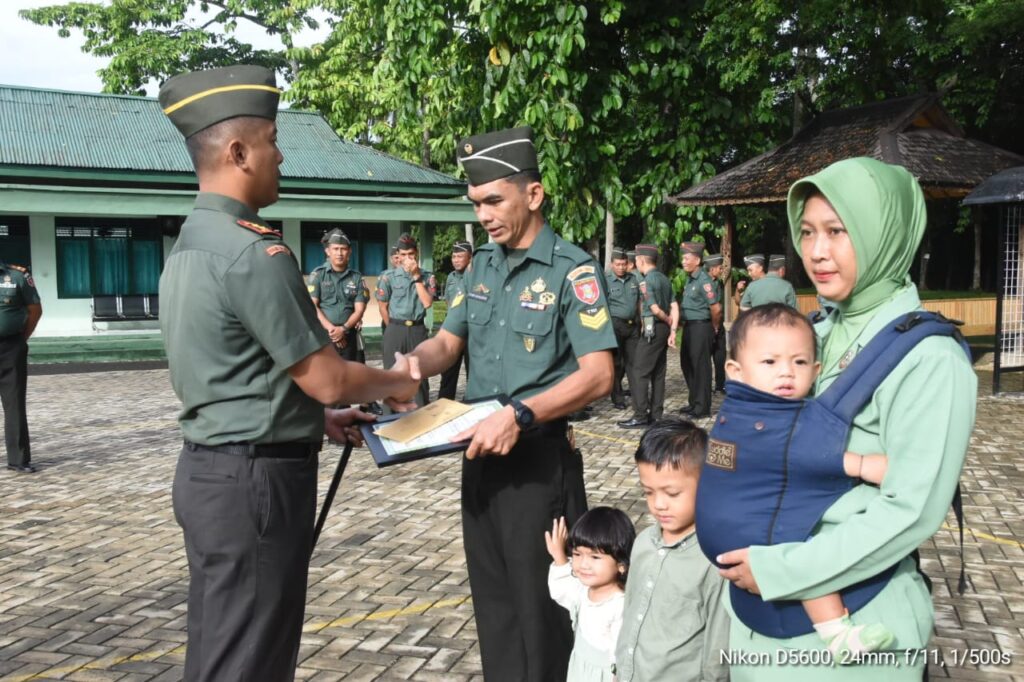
587, 290
276, 249
594, 318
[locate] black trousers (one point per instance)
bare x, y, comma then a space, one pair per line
248, 526
507, 504
649, 370
450, 377
718, 351
626, 335
399, 338
13, 389
351, 350
695, 360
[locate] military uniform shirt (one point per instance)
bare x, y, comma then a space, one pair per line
455, 287
655, 289
338, 292
769, 289
698, 295
17, 291
526, 327
235, 315
623, 296
396, 288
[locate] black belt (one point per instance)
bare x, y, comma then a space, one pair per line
259, 450
626, 320
696, 321
407, 323
552, 429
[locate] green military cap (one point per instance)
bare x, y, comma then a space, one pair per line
776, 261
197, 100
631, 254
335, 236
499, 154
406, 241
618, 253
394, 249
462, 246
713, 260
696, 248
649, 250
754, 258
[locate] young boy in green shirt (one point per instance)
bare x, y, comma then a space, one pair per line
674, 626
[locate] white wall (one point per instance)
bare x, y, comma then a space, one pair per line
61, 317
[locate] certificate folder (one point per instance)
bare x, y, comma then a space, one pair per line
432, 443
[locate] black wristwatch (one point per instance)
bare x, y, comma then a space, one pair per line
524, 415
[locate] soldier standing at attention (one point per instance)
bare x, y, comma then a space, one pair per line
700, 311
253, 368
624, 305
713, 264
649, 365
405, 295
20, 311
454, 295
340, 295
772, 288
537, 329
755, 268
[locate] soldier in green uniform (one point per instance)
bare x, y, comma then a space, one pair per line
649, 365
624, 306
772, 288
393, 262
699, 309
253, 368
714, 264
454, 295
20, 311
405, 295
755, 269
340, 295
537, 329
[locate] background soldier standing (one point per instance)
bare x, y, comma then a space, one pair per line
649, 366
253, 367
454, 295
405, 295
536, 327
20, 311
701, 314
340, 295
624, 306
713, 264
772, 288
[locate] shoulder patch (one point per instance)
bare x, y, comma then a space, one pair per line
581, 270
594, 320
276, 249
458, 300
310, 288
258, 229
587, 290
20, 268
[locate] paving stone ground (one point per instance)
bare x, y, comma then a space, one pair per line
93, 575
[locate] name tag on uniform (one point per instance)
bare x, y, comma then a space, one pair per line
532, 306
8, 285
478, 297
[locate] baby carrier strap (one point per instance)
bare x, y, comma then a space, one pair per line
859, 381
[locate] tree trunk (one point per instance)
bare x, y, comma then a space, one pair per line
609, 236
976, 279
469, 233
730, 229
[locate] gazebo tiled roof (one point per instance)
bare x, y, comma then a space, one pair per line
914, 132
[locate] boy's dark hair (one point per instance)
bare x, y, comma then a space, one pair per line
608, 531
769, 315
678, 443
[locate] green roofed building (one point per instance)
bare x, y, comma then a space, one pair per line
94, 188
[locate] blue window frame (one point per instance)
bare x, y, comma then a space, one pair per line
108, 257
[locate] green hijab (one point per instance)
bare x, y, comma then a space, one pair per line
883, 210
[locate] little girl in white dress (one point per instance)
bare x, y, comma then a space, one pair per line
591, 586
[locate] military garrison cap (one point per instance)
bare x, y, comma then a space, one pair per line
754, 258
495, 155
776, 261
462, 246
406, 242
618, 253
713, 260
649, 250
394, 249
696, 248
631, 254
197, 100
335, 236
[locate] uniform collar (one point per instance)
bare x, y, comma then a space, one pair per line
659, 541
223, 204
541, 250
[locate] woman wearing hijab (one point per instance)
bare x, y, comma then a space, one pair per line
857, 225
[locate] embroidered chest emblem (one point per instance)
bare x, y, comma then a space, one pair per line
538, 285
547, 298
529, 343
527, 295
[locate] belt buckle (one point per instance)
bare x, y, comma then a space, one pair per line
409, 323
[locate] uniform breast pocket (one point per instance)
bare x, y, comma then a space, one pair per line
478, 312
534, 328
328, 294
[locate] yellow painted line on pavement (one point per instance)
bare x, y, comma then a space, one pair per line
106, 664
985, 536
591, 434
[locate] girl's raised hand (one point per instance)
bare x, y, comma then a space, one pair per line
556, 539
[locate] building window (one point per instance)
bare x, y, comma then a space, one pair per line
108, 257
14, 241
369, 245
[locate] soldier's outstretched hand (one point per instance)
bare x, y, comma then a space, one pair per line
409, 368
